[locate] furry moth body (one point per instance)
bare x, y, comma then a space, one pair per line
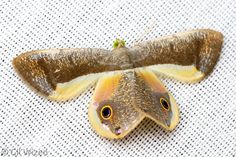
127, 86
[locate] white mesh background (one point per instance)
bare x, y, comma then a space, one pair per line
207, 109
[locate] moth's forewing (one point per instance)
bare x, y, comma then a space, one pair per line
61, 74
187, 56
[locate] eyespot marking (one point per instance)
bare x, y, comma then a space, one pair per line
165, 104
106, 112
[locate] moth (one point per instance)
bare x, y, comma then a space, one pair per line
128, 87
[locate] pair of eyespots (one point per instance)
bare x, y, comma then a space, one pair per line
107, 112
164, 103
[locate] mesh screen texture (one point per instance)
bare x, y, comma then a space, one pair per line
28, 121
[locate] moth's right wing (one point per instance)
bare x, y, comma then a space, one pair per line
187, 56
61, 74
154, 100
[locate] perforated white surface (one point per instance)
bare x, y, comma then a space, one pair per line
208, 109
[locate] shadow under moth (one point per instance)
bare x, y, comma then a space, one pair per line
127, 85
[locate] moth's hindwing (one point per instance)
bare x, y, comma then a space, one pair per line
111, 112
154, 100
71, 89
123, 98
182, 73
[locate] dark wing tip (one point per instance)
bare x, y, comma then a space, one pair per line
210, 51
31, 73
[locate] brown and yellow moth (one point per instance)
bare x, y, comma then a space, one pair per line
127, 85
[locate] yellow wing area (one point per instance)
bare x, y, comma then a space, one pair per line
73, 88
106, 86
188, 74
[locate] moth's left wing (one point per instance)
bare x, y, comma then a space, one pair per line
61, 74
187, 56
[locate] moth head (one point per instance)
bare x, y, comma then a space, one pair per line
118, 43
113, 119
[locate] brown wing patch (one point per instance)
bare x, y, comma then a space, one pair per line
150, 93
198, 48
55, 72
